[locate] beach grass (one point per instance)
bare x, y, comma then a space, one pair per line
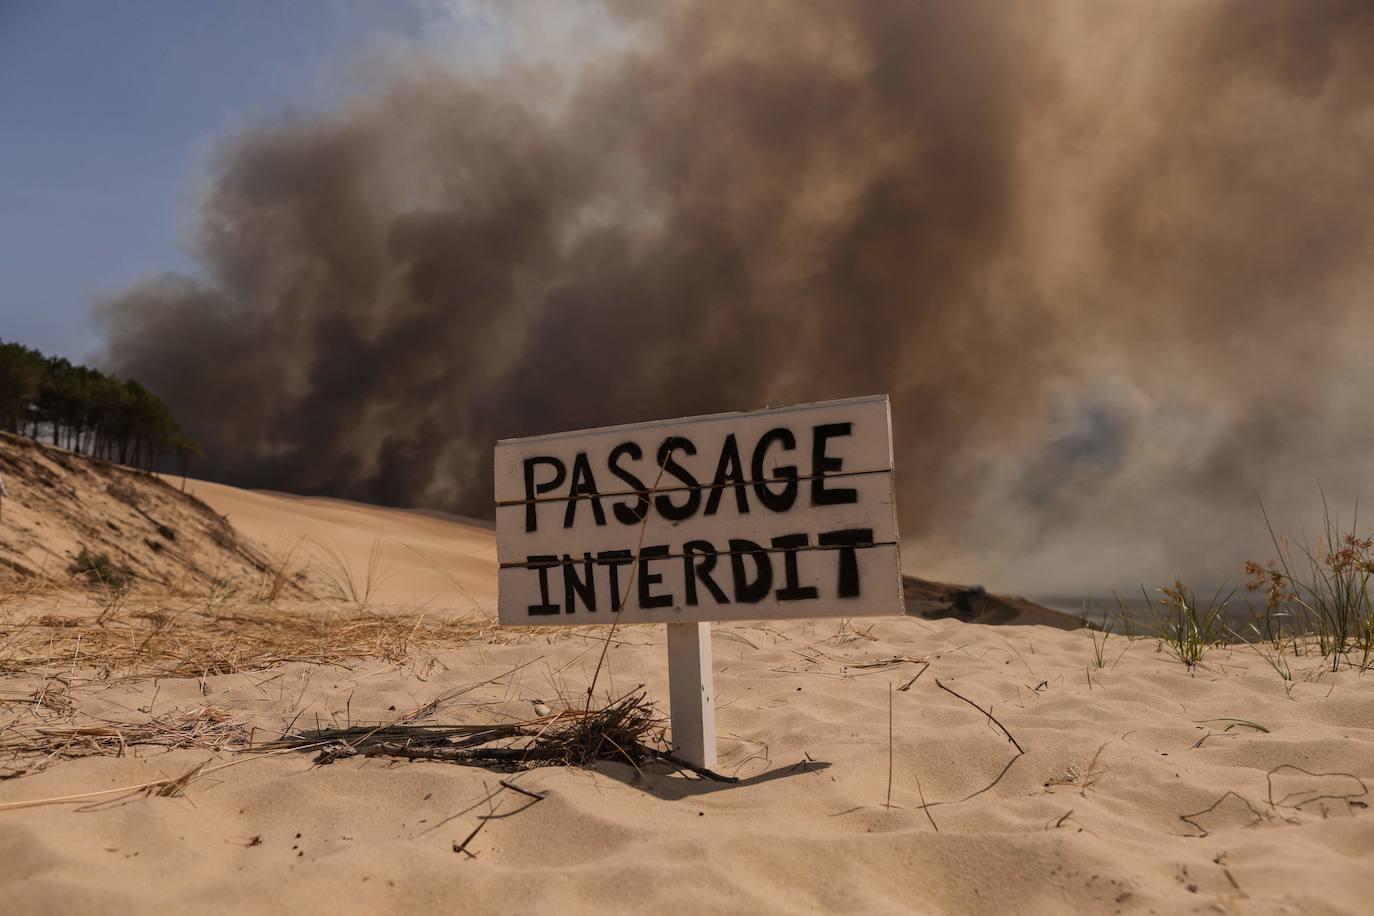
1317, 603
1318, 592
1187, 626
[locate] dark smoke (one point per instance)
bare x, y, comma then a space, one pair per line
1112, 262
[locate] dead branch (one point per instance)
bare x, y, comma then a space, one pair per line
985, 712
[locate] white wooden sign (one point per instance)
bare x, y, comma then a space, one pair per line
769, 514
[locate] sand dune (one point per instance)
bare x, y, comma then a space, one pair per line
423, 559
61, 503
1142, 788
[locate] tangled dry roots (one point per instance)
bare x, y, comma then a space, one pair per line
622, 731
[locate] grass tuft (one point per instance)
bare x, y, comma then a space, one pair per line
340, 578
1189, 627
1100, 635
99, 570
1318, 593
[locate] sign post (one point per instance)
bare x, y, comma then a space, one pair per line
763, 515
692, 693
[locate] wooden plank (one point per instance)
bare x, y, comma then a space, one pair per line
692, 693
865, 445
874, 588
873, 507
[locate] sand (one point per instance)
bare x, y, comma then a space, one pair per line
422, 559
60, 503
1137, 792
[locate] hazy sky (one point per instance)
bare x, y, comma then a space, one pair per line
108, 112
1110, 260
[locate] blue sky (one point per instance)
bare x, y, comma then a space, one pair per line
108, 112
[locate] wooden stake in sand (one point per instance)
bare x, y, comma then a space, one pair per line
692, 693
763, 515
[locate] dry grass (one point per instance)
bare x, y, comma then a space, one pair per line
283, 572
95, 636
37, 736
1080, 777
628, 730
341, 581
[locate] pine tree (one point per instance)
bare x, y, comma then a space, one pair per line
87, 411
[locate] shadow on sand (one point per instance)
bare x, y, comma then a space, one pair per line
669, 783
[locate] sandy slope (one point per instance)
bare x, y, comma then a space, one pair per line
425, 559
1089, 819
61, 503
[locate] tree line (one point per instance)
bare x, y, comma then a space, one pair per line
51, 399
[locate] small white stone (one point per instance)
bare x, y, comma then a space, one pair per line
541, 710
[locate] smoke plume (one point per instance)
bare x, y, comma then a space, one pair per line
1111, 261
